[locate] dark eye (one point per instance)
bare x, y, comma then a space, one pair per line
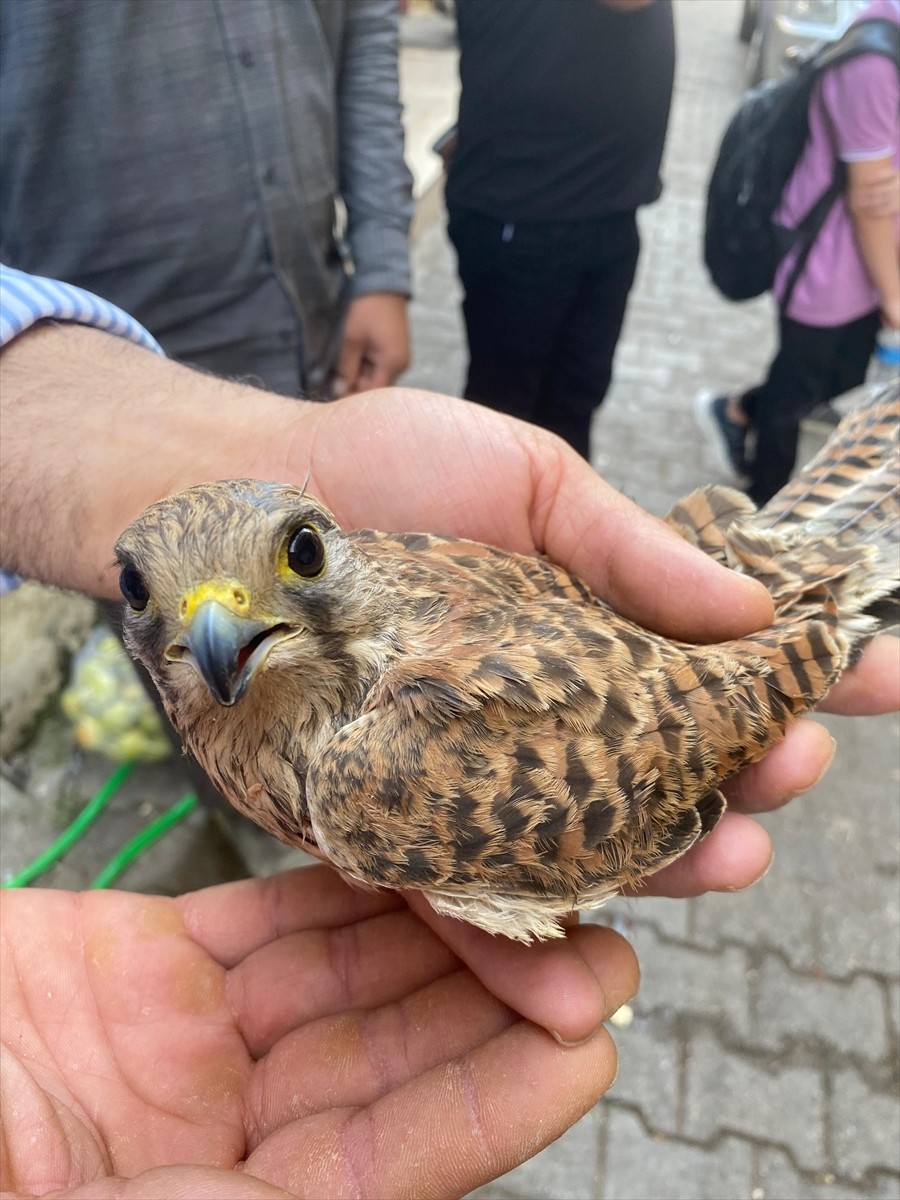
133, 588
306, 552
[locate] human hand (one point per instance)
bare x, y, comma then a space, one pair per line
280, 1037
375, 349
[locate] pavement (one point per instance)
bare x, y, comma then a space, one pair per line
761, 1059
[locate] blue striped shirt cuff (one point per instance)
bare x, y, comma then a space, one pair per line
27, 299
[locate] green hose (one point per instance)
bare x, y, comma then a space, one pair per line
74, 832
88, 815
143, 840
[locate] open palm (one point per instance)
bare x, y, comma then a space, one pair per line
288, 1036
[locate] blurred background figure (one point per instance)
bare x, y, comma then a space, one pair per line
230, 173
562, 120
849, 287
778, 32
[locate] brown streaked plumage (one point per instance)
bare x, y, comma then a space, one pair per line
432, 713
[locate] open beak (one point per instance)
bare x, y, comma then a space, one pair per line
225, 648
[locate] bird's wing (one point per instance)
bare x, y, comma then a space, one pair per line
538, 768
704, 517
430, 560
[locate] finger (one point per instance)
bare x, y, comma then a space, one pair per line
457, 1126
349, 1060
789, 769
735, 855
565, 985
883, 205
376, 373
321, 972
232, 920
873, 685
347, 370
179, 1183
637, 563
882, 199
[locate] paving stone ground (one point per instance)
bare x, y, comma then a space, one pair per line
763, 1059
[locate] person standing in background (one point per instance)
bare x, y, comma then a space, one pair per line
849, 285
187, 160
562, 120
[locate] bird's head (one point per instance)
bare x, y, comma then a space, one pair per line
230, 581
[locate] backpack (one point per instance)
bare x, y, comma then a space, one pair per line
762, 144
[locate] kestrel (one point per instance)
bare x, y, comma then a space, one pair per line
432, 713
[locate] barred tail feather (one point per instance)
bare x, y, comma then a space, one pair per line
837, 523
852, 486
704, 517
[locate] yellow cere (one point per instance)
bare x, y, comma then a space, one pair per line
230, 593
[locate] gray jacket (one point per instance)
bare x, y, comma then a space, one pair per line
185, 158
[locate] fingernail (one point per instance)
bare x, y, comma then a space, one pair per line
744, 886
623, 1003
338, 388
569, 1043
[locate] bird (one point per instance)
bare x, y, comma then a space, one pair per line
432, 713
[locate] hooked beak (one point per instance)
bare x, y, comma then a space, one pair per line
226, 648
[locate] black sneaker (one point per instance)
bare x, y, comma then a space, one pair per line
727, 439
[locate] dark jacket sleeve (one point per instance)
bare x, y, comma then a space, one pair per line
376, 184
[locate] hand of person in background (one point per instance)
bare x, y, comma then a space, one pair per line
279, 1037
375, 349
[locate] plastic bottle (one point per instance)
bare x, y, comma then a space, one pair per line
885, 364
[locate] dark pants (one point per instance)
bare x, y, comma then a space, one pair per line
544, 304
812, 365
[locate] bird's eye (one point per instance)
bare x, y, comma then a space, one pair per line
306, 552
133, 588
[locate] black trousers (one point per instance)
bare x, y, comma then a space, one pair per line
812, 365
544, 304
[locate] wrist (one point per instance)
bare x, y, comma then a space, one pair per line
399, 299
95, 429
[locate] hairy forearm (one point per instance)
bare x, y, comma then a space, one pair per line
877, 243
94, 429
